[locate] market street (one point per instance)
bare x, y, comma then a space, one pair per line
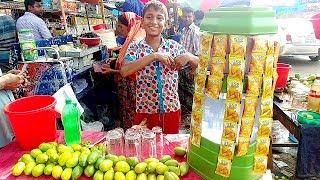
301, 64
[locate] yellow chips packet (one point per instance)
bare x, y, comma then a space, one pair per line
262, 147
236, 67
226, 149
265, 127
220, 43
203, 62
232, 111
218, 66
260, 164
234, 89
266, 108
200, 80
243, 146
250, 105
230, 130
197, 115
270, 47
246, 127
223, 167
196, 134
268, 72
198, 99
214, 87
257, 63
238, 45
267, 87
254, 85
259, 45
205, 44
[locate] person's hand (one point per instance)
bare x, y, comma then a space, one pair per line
164, 58
11, 81
179, 62
105, 69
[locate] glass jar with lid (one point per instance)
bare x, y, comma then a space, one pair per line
299, 99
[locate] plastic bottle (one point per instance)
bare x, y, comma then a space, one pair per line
71, 123
314, 96
28, 45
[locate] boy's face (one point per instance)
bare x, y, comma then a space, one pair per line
154, 22
188, 18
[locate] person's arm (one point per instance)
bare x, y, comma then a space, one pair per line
182, 60
131, 67
11, 81
43, 30
196, 43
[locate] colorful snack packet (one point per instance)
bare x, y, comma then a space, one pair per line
197, 115
196, 134
260, 164
270, 47
200, 80
259, 45
254, 85
223, 167
243, 146
236, 67
198, 99
257, 63
265, 127
238, 45
266, 108
214, 87
234, 89
250, 105
262, 147
220, 43
218, 66
205, 44
246, 127
230, 130
269, 66
267, 87
227, 149
203, 62
232, 111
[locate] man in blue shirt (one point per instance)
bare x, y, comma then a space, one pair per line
30, 20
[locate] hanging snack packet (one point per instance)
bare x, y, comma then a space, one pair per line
200, 80
230, 130
198, 99
205, 44
260, 164
266, 108
227, 149
197, 115
203, 62
196, 134
218, 66
254, 85
262, 147
267, 87
220, 43
232, 111
243, 146
236, 67
270, 46
257, 64
238, 45
246, 127
269, 66
234, 89
223, 167
259, 45
265, 127
214, 87
250, 105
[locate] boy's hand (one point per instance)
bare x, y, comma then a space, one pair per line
11, 81
179, 62
164, 58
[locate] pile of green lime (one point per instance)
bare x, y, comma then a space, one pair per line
71, 162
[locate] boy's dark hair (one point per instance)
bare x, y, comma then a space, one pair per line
158, 6
188, 10
123, 20
30, 3
199, 15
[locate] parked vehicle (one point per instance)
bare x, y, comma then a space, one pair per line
297, 38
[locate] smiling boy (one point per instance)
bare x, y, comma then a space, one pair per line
157, 61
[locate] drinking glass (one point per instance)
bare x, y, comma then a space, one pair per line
132, 145
114, 142
148, 144
159, 140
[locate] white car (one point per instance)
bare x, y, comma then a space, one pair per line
298, 38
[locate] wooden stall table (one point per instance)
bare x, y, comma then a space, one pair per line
10, 154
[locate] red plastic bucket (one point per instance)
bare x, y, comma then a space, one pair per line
283, 73
316, 25
33, 120
99, 26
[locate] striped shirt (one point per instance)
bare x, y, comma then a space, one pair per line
35, 24
7, 37
191, 39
